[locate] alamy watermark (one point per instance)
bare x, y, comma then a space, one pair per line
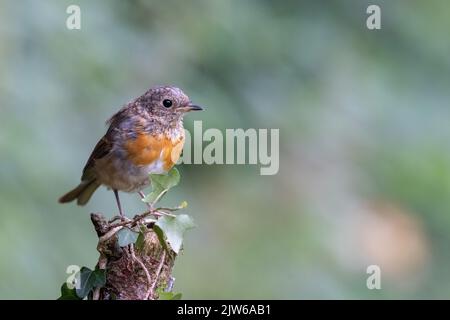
234, 146
374, 280
373, 21
73, 20
73, 280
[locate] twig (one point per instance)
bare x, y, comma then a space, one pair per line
131, 223
109, 234
158, 212
115, 218
163, 210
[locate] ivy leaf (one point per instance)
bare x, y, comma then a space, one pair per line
140, 242
161, 183
169, 296
160, 233
152, 196
89, 280
183, 205
176, 296
67, 293
126, 236
167, 181
174, 228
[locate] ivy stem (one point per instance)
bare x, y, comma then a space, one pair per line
147, 274
158, 272
159, 197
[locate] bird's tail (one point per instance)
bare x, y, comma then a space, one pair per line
82, 193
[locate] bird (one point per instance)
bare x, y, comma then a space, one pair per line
146, 136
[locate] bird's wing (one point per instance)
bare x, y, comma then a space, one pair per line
102, 148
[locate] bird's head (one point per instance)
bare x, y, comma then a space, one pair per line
168, 102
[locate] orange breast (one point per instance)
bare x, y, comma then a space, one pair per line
146, 149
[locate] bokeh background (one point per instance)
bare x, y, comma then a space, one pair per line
364, 141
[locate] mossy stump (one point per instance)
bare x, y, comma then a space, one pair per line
132, 273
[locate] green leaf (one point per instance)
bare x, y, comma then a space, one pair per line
140, 242
67, 293
167, 181
126, 236
169, 296
162, 183
160, 233
176, 296
174, 229
89, 280
183, 205
152, 196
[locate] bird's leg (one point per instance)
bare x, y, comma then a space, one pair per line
116, 194
141, 194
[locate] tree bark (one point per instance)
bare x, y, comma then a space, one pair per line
132, 273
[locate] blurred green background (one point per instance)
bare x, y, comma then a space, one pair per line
364, 141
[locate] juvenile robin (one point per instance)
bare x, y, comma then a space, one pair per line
145, 136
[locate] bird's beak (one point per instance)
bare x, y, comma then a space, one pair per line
192, 107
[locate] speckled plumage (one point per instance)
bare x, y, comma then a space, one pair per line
145, 136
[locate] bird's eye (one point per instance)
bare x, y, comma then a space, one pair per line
167, 103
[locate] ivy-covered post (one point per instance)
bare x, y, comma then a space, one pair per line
136, 255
